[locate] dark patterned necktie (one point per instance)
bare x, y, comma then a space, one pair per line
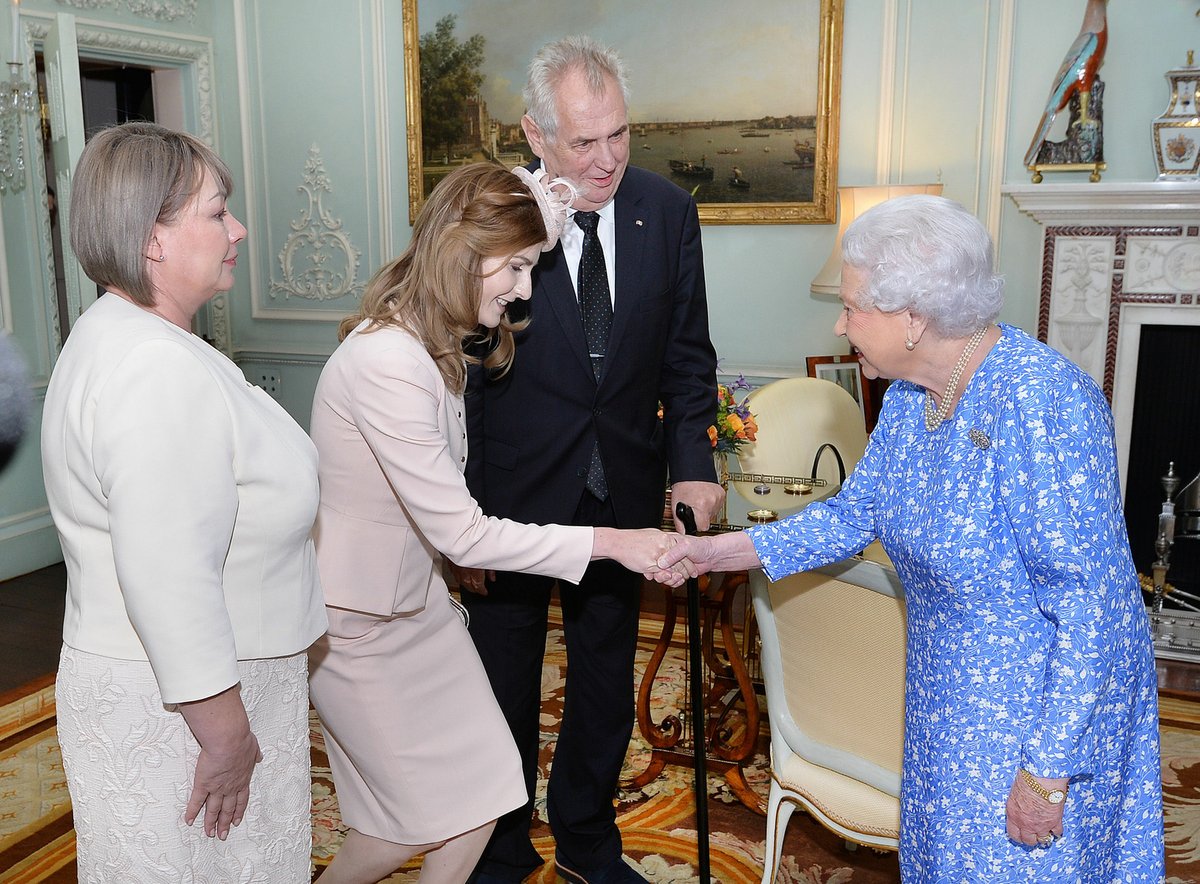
595, 308
595, 304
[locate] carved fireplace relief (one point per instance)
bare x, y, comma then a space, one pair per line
1115, 257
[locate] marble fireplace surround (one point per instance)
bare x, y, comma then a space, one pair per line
1115, 257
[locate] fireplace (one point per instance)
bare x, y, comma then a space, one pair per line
1120, 296
1165, 429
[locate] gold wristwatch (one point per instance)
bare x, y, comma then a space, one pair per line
1054, 796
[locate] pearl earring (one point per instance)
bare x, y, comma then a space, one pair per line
909, 343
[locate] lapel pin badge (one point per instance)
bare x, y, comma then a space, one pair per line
980, 438
638, 222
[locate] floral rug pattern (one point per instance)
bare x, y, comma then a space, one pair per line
657, 821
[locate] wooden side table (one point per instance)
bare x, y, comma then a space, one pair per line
731, 676
732, 716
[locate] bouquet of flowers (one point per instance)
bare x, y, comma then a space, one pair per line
734, 425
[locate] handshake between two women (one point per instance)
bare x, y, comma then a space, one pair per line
663, 556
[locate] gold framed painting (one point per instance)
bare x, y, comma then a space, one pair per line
739, 107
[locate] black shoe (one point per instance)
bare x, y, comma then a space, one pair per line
485, 878
616, 872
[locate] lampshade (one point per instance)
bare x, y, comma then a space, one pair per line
852, 202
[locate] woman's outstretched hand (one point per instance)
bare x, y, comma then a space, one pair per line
638, 550
689, 556
692, 556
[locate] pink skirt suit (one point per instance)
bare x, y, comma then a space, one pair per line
419, 749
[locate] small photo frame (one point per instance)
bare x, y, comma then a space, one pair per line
844, 370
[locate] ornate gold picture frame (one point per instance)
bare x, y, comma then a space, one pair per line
747, 121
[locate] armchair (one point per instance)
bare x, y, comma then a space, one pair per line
832, 640
833, 646
797, 418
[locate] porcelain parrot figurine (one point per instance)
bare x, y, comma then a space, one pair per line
1077, 73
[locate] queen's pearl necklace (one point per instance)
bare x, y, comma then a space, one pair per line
935, 416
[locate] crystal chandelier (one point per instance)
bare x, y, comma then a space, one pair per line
18, 98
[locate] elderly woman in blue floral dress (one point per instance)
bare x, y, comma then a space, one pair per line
1031, 738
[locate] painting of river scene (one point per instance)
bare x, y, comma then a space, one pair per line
740, 111
742, 162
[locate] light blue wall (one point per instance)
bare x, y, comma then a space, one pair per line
931, 90
938, 90
27, 538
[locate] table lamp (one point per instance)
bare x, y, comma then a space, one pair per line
852, 202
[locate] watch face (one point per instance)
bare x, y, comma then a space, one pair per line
1056, 797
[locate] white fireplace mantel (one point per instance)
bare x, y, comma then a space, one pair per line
1115, 257
1124, 203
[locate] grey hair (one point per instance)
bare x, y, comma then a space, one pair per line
129, 178
926, 254
554, 61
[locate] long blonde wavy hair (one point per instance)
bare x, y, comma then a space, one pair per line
433, 289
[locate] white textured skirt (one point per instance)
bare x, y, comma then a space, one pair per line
130, 763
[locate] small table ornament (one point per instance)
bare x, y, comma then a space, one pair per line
1175, 133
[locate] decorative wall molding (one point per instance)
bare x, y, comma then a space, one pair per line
28, 541
898, 139
993, 162
384, 113
889, 50
220, 331
16, 524
346, 227
152, 48
307, 358
91, 4
6, 317
318, 260
158, 10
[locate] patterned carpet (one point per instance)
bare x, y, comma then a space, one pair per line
658, 823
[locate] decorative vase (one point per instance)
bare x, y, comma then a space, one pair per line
1176, 133
721, 460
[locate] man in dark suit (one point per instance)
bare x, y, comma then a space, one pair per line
571, 434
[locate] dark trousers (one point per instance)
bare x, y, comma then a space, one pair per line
600, 618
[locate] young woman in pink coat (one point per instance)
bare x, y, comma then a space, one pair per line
422, 759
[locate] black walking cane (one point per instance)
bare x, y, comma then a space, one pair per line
699, 718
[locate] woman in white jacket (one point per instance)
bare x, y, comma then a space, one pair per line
183, 498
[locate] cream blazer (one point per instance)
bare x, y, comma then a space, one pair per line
183, 498
393, 446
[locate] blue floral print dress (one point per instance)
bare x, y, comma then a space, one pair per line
1028, 640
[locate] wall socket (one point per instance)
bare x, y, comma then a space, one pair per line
270, 378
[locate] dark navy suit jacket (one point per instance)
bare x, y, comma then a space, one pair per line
531, 431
